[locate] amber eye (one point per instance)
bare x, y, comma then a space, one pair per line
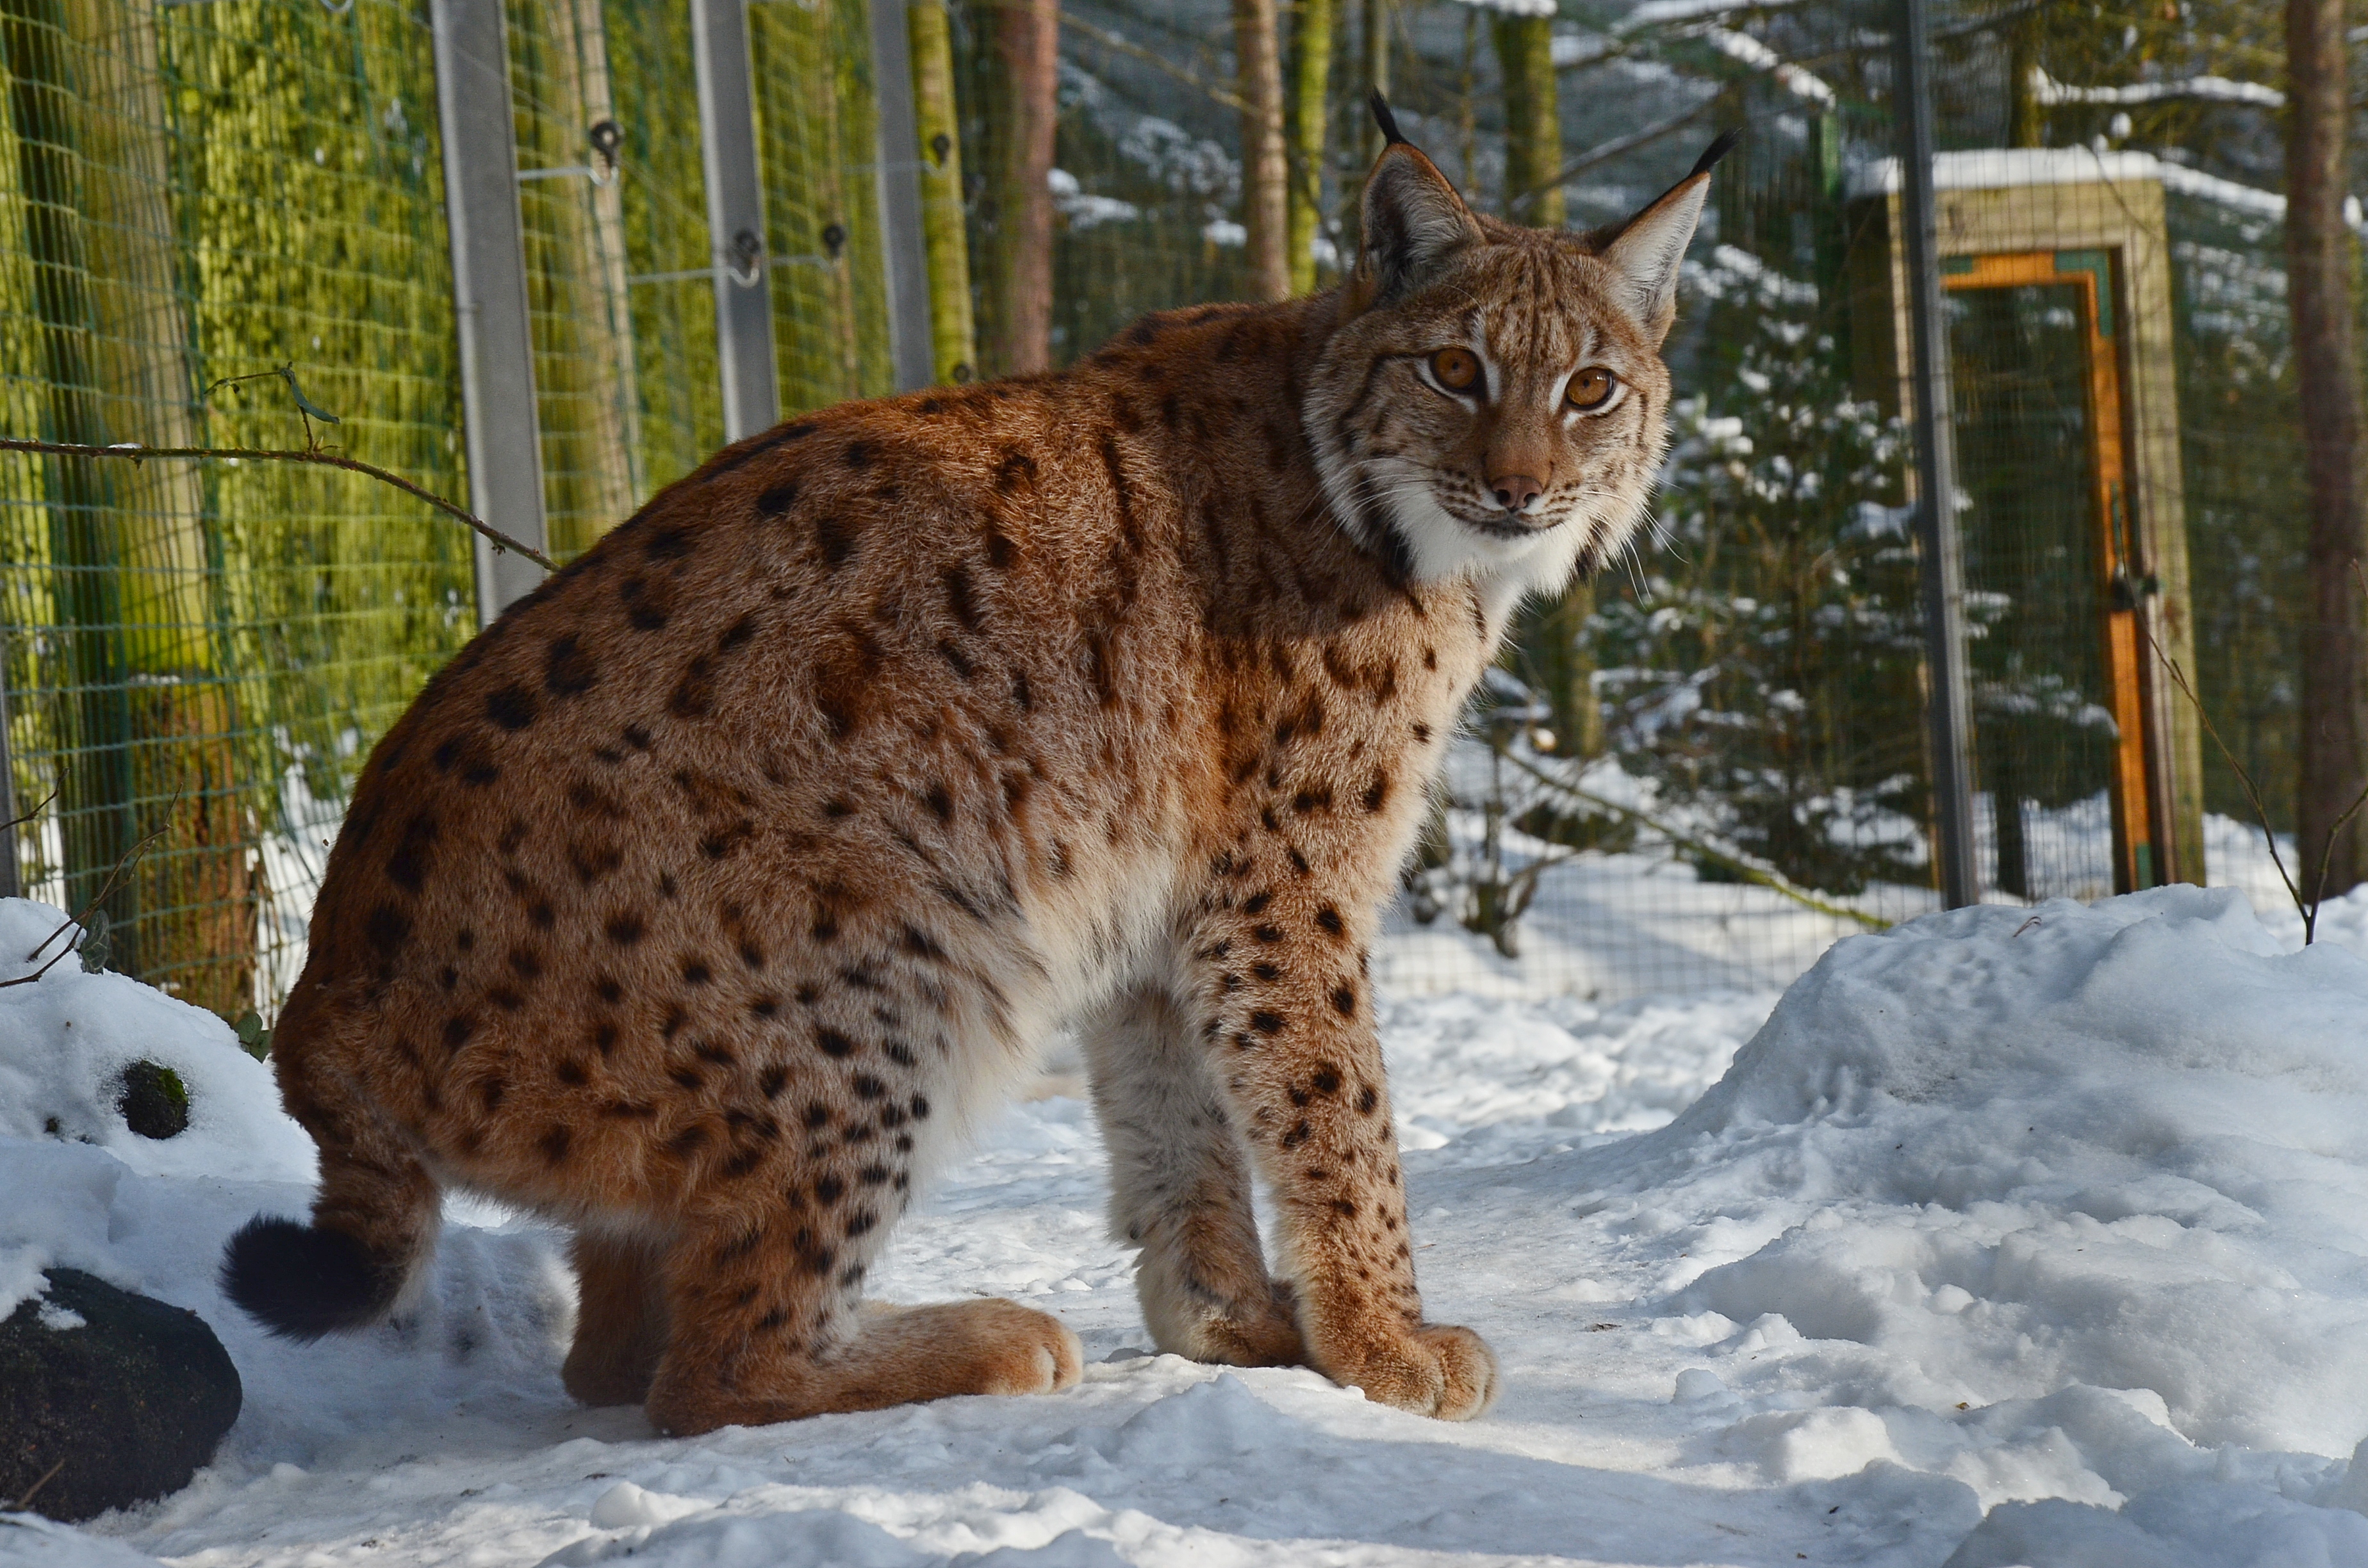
1591, 388
1458, 369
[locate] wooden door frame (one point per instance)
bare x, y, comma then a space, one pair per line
2120, 572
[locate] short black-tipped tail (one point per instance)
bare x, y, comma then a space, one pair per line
301, 1281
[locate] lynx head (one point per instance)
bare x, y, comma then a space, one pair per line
1494, 403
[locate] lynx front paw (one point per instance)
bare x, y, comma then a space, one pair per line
985, 1347
1436, 1371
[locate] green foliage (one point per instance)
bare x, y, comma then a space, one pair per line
1764, 678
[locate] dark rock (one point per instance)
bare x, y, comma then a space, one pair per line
154, 1102
132, 1402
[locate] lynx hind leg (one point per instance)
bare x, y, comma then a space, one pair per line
619, 1317
764, 1324
1180, 1190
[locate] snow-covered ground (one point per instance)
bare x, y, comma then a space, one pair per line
2016, 1235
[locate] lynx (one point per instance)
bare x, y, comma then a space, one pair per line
708, 896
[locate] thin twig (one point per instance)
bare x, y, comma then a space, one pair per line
14, 824
318, 458
1604, 151
1764, 875
24, 1502
1158, 61
2309, 911
124, 862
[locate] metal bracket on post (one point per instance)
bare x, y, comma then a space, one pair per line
736, 217
481, 215
1949, 702
910, 344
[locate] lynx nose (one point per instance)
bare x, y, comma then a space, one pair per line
1516, 491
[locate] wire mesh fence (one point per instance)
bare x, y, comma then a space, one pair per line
1694, 772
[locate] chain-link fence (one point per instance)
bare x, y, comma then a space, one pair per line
1694, 772
199, 654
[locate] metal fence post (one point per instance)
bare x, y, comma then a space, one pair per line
481, 215
910, 343
736, 217
12, 881
1949, 702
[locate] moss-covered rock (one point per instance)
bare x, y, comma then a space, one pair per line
121, 1395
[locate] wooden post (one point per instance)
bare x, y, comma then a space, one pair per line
1015, 326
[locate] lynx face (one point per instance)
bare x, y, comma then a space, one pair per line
1496, 406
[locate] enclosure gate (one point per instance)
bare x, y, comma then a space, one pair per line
2056, 267
2088, 274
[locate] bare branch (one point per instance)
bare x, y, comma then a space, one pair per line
315, 456
2308, 909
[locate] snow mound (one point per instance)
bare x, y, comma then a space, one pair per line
2053, 1202
2124, 1145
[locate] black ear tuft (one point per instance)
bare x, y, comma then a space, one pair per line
302, 1283
1715, 151
1384, 118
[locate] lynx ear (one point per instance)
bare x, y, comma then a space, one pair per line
1646, 251
1413, 220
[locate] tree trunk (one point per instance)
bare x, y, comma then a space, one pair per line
2319, 265
1016, 271
1259, 74
1311, 80
191, 901
953, 346
1532, 122
2025, 124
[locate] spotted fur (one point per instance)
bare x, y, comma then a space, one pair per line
705, 898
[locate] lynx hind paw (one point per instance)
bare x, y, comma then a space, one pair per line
1437, 1370
1265, 1335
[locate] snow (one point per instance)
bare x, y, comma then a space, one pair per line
2012, 1235
1999, 168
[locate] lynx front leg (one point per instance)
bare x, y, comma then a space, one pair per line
1180, 1190
1289, 1020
